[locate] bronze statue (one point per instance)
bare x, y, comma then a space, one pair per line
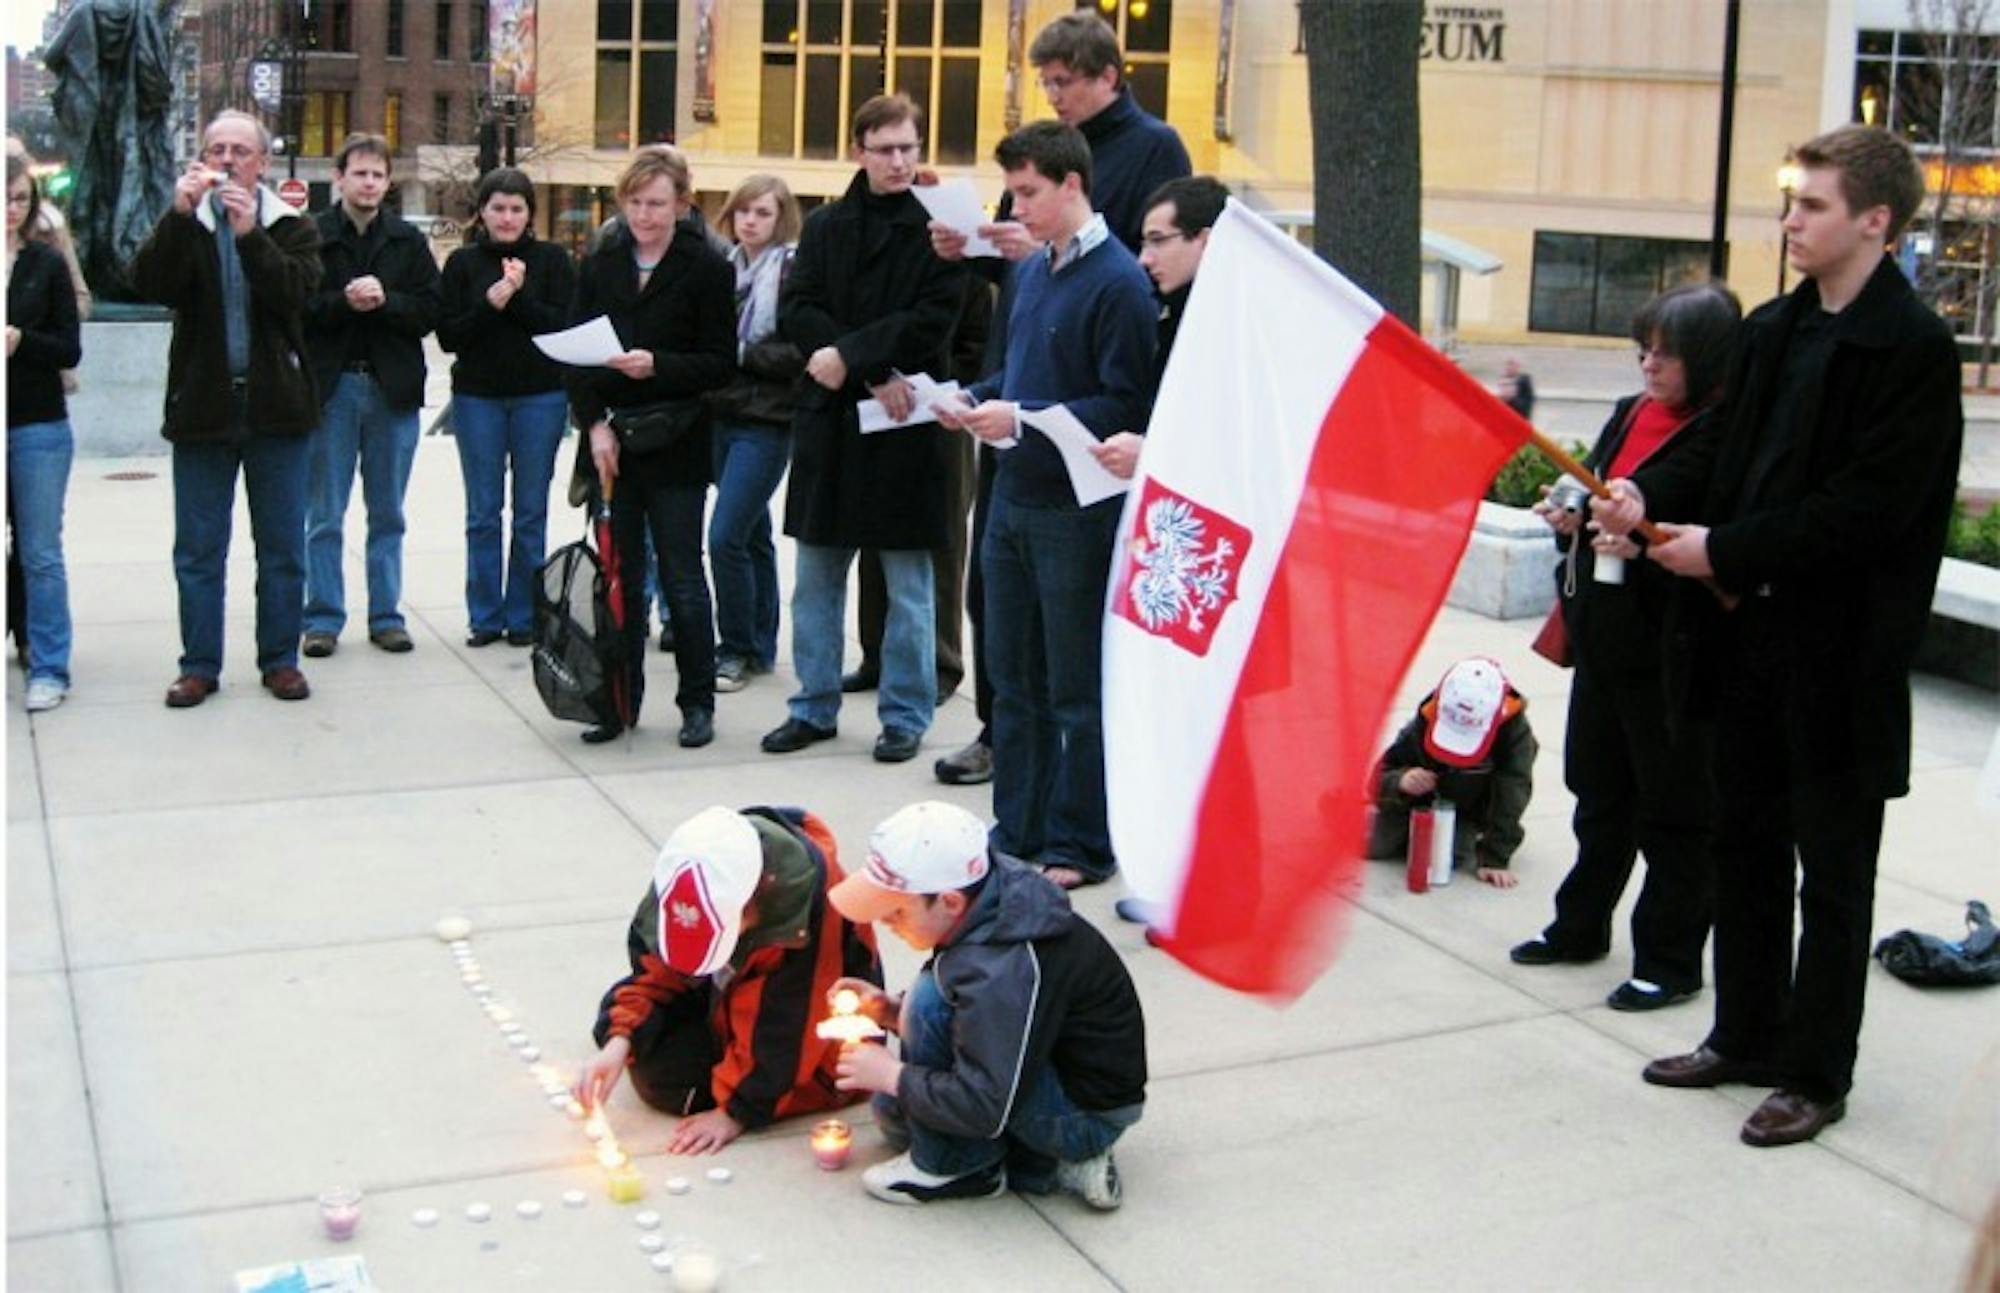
113, 64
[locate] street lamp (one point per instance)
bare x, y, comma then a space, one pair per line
1788, 184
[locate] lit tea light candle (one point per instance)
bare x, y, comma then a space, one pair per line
499, 1014
651, 1243
663, 1262
574, 1108
647, 1220
847, 1024
424, 1218
478, 1212
610, 1157
528, 1209
720, 1176
340, 1212
678, 1185
626, 1185
454, 929
531, 1052
831, 1142
510, 1028
574, 1198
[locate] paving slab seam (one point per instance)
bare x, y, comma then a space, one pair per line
622, 915
1035, 1205
330, 796
75, 1011
1155, 1077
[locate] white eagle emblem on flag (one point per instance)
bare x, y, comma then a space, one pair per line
1181, 573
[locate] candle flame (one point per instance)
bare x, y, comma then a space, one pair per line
611, 1157
846, 1001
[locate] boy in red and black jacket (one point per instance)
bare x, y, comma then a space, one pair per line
733, 950
1469, 744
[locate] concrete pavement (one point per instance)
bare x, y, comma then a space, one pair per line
224, 994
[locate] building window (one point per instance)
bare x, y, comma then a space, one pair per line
394, 38
392, 121
441, 34
634, 110
323, 123
823, 59
1924, 86
1144, 30
475, 40
1594, 283
332, 28
440, 118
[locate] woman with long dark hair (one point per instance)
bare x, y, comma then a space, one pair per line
508, 400
753, 431
43, 338
671, 299
1639, 785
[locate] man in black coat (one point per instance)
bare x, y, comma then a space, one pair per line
365, 328
236, 264
867, 302
1822, 503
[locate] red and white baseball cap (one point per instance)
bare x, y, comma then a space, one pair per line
705, 876
928, 847
1469, 701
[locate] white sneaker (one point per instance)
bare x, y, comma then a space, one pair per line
44, 694
900, 1180
1095, 1180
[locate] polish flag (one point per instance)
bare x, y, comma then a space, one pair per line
1310, 480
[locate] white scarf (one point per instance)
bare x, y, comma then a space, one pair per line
757, 284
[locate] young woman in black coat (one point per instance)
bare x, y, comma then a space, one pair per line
509, 406
43, 338
1639, 786
671, 299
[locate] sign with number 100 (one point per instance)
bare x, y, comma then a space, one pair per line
267, 84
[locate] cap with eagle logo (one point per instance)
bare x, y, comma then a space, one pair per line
705, 876
928, 847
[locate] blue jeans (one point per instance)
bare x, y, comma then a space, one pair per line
38, 459
1044, 571
1044, 1127
274, 477
494, 435
357, 424
750, 459
907, 697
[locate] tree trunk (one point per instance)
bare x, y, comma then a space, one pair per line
1361, 70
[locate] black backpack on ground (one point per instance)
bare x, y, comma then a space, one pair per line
578, 650
1931, 962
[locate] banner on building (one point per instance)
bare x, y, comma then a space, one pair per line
510, 42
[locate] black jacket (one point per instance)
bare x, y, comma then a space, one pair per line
1033, 987
391, 338
1490, 796
179, 267
497, 357
686, 316
1843, 545
41, 302
866, 282
1621, 628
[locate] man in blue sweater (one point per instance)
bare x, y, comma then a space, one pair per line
1080, 333
1132, 153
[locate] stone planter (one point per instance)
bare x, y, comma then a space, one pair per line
1963, 638
118, 408
1507, 572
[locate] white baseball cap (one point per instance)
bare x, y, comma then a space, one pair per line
928, 847
705, 876
1469, 702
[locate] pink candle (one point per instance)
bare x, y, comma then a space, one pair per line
831, 1141
340, 1212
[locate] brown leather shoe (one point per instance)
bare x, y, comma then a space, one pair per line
1702, 1067
1788, 1118
287, 684
189, 690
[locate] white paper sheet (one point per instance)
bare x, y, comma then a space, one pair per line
928, 391
956, 203
591, 344
1087, 477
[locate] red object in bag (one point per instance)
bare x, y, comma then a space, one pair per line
1418, 869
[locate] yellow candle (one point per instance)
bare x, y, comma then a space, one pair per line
626, 1185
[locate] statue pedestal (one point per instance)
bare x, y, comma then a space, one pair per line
118, 410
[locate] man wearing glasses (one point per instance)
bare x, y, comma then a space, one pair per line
865, 303
236, 264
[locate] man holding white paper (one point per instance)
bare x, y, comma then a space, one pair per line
1080, 334
867, 302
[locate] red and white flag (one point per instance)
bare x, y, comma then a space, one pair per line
1310, 479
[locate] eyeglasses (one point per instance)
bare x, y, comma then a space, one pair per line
17, 199
890, 151
229, 150
1162, 239
1054, 85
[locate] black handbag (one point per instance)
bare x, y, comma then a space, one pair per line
650, 428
